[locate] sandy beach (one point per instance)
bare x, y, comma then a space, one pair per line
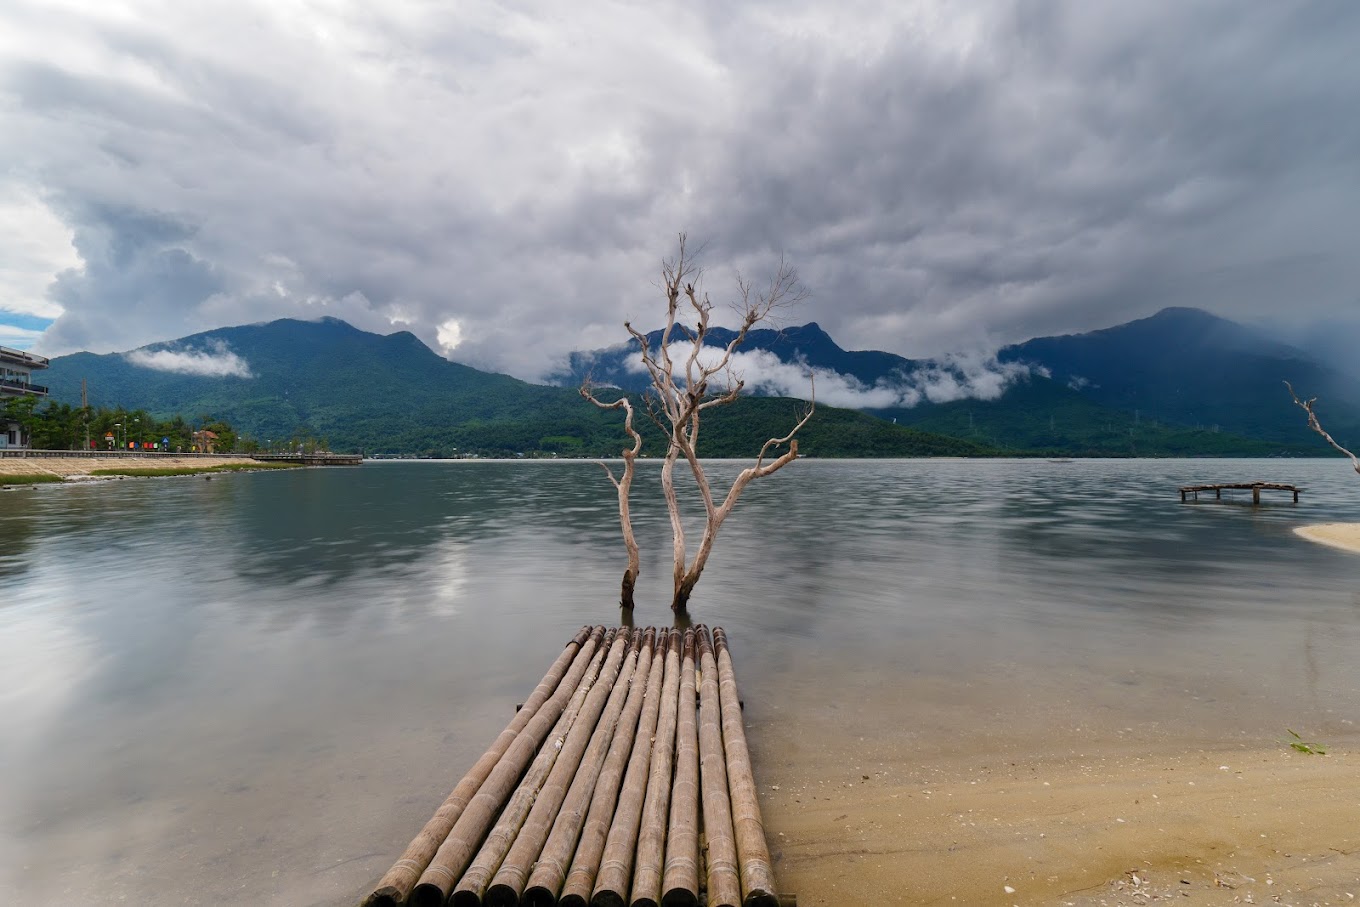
84, 466
1337, 535
1124, 826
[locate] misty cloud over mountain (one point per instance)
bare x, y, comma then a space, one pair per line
950, 378
216, 361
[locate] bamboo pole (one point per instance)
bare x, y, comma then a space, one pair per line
680, 882
513, 875
472, 886
396, 886
586, 862
724, 884
753, 854
652, 837
616, 865
456, 852
548, 874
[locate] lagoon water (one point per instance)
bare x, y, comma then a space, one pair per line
255, 689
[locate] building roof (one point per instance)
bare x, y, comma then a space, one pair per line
19, 357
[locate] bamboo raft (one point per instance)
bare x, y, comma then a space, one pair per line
624, 780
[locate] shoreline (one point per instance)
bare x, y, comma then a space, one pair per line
1345, 536
65, 468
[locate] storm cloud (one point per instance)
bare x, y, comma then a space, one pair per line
504, 181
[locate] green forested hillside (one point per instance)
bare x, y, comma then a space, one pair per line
1181, 382
1193, 369
393, 395
1040, 415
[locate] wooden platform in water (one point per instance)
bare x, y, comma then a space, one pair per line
624, 779
1254, 487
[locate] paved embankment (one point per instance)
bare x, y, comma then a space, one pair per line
84, 466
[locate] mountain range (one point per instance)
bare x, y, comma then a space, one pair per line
1181, 382
392, 394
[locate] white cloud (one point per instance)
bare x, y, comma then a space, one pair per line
216, 362
450, 335
959, 376
17, 338
35, 246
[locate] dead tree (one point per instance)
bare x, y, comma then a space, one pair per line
624, 485
1315, 425
689, 378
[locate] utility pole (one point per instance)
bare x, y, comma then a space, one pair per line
85, 409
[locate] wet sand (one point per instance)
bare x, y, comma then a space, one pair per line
84, 466
1069, 793
1120, 826
1337, 535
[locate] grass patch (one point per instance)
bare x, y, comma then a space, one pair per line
1303, 746
189, 470
41, 478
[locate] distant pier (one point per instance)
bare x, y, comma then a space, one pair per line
312, 459
1189, 491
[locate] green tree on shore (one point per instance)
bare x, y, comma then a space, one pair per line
61, 426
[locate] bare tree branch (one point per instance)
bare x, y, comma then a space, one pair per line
717, 515
1315, 425
676, 402
624, 485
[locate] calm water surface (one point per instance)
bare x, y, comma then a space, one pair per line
255, 689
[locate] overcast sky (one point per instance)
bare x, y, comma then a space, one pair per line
503, 179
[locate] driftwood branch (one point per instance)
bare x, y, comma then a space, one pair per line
1315, 425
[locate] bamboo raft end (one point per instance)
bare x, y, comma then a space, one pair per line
383, 898
679, 897
630, 750
501, 896
537, 896
426, 896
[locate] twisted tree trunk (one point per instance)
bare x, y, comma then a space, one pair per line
624, 485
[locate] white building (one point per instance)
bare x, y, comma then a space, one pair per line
16, 380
